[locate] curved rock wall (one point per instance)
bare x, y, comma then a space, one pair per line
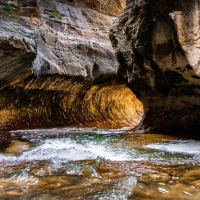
17, 51
59, 67
157, 44
59, 101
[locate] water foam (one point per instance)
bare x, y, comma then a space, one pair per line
187, 147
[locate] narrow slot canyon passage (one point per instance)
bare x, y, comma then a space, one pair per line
102, 103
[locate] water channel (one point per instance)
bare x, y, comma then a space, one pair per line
86, 163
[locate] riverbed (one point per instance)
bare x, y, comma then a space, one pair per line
89, 163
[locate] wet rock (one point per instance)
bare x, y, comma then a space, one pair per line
143, 191
191, 175
156, 43
17, 147
5, 138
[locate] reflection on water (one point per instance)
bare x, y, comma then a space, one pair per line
77, 163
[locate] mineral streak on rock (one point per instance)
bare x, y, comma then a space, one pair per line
157, 44
58, 66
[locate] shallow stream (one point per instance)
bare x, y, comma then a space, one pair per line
78, 163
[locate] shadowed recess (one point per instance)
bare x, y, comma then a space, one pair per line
68, 102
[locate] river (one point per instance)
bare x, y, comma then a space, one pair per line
86, 163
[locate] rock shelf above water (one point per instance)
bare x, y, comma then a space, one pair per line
59, 67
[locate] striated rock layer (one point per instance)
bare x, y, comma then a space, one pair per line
17, 51
58, 67
157, 44
60, 101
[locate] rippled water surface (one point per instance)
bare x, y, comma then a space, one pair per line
77, 163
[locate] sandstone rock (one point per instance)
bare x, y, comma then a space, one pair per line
17, 51
55, 101
74, 75
156, 43
24, 8
107, 7
16, 147
71, 40
191, 175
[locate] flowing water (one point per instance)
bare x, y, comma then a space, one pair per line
78, 163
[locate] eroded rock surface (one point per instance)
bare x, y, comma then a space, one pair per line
55, 101
17, 51
157, 44
63, 70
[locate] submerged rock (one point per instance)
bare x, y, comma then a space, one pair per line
16, 147
156, 43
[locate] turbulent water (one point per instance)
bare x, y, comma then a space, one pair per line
77, 163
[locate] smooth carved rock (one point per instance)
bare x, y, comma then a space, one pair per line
157, 45
17, 51
56, 100
73, 79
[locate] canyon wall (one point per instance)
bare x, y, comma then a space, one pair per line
58, 67
157, 45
